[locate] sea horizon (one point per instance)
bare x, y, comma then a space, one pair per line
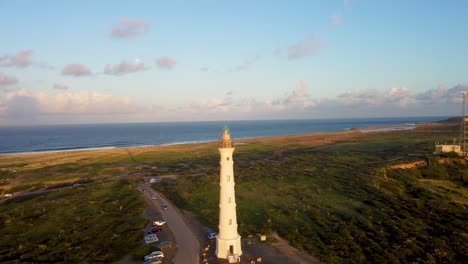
81, 137
233, 120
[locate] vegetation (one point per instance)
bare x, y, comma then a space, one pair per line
339, 202
99, 223
332, 195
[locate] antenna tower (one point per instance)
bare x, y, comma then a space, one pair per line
464, 125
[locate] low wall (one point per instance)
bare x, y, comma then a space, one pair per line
411, 165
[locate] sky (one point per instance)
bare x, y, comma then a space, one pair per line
64, 62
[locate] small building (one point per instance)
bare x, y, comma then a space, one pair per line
439, 149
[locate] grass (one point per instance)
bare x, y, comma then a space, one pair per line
334, 202
99, 223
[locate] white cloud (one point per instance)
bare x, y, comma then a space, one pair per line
246, 64
6, 80
308, 47
443, 95
166, 63
230, 106
77, 70
356, 98
129, 28
336, 20
21, 59
299, 99
124, 68
400, 96
60, 86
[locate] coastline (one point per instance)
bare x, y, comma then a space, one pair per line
244, 140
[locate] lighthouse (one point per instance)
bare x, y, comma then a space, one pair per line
228, 241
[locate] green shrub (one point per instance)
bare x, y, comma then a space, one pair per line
141, 252
434, 172
451, 155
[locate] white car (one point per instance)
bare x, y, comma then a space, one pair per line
154, 255
159, 223
153, 261
151, 238
8, 195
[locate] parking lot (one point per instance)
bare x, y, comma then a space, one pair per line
185, 245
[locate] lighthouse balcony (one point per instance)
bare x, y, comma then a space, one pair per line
226, 144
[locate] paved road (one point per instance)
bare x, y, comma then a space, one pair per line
188, 248
29, 193
25, 194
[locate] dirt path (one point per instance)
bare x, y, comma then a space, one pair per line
188, 247
299, 257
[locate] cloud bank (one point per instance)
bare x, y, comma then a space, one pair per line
23, 105
395, 101
26, 105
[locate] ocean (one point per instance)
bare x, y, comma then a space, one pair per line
25, 139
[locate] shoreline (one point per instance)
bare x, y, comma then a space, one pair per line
362, 130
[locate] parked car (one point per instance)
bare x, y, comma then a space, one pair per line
154, 230
159, 223
153, 261
165, 244
154, 255
152, 180
151, 238
211, 234
164, 207
8, 195
154, 197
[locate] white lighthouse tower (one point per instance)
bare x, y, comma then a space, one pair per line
228, 241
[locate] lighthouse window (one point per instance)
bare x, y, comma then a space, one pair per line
228, 177
227, 158
229, 200
230, 221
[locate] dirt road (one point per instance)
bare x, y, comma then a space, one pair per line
188, 248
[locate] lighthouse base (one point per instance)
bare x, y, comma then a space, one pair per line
229, 249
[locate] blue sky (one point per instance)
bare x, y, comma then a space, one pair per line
145, 61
